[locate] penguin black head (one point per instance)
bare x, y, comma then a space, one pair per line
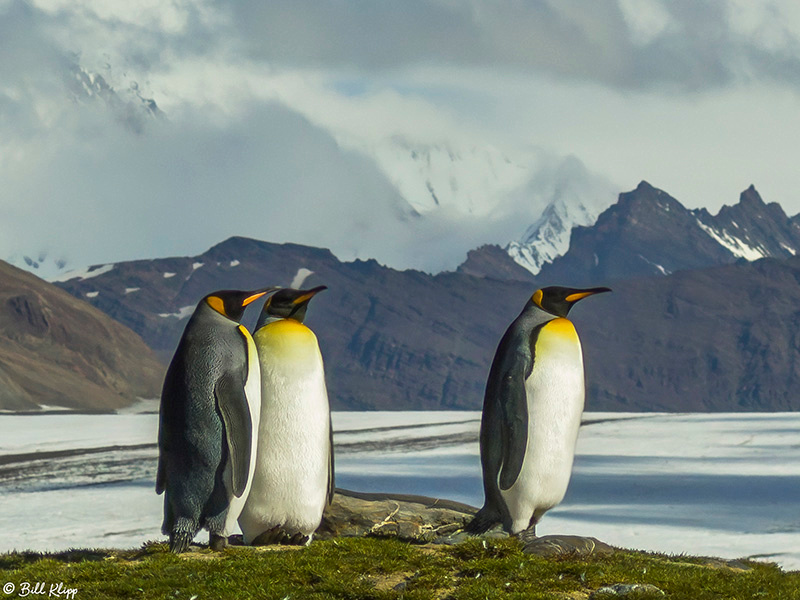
288, 303
558, 300
231, 303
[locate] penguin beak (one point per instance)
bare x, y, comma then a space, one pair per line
256, 295
309, 294
580, 295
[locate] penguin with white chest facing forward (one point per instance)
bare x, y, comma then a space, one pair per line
531, 413
293, 479
210, 404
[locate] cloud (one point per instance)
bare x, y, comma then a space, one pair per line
273, 110
686, 45
185, 184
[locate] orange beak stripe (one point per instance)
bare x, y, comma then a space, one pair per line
253, 298
578, 296
303, 298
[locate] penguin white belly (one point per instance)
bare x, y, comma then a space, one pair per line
291, 479
555, 396
252, 391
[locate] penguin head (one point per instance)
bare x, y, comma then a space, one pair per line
288, 303
557, 300
231, 303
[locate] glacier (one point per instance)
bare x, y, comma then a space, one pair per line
703, 484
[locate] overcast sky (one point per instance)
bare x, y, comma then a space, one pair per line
265, 107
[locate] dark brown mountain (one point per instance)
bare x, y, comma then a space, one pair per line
721, 338
60, 351
392, 339
493, 262
753, 229
649, 233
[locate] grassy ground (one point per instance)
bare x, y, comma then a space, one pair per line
351, 568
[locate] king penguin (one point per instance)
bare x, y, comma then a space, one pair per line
210, 406
531, 413
293, 480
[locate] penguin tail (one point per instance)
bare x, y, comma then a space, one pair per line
482, 522
179, 541
181, 536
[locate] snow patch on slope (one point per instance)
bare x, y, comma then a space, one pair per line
736, 246
183, 313
87, 273
301, 275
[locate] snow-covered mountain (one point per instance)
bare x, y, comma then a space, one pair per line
545, 195
131, 109
470, 179
575, 197
129, 106
648, 232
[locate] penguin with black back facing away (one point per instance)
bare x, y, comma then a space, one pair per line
293, 480
531, 413
209, 413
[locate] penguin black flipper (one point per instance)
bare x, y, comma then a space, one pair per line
166, 425
235, 412
331, 478
504, 434
161, 477
514, 413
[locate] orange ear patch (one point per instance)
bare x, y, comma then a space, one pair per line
217, 304
537, 298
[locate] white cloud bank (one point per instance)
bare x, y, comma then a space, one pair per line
137, 129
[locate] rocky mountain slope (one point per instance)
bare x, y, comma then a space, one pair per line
393, 339
58, 350
721, 338
718, 339
648, 232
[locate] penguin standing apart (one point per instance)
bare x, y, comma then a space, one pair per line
293, 480
531, 413
210, 407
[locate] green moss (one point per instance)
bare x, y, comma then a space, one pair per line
384, 569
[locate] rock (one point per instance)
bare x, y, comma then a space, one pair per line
406, 517
627, 590
561, 545
495, 533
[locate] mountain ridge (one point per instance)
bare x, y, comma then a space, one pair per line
409, 340
60, 351
650, 233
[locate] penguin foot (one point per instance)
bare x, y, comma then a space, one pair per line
269, 537
217, 543
482, 522
526, 536
276, 535
298, 539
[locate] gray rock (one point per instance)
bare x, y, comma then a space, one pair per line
404, 516
627, 590
495, 533
561, 545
